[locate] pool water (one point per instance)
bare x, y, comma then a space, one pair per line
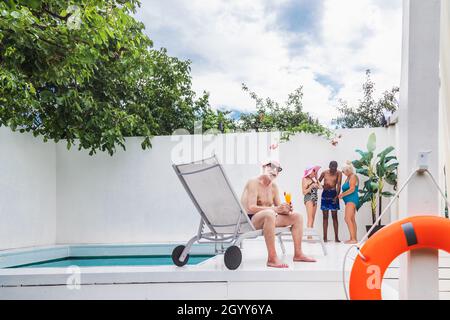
106, 261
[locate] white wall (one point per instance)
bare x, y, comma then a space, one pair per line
51, 195
27, 190
135, 196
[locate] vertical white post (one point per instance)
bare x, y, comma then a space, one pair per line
445, 89
419, 131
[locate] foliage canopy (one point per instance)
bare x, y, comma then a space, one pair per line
369, 113
289, 118
83, 69
85, 72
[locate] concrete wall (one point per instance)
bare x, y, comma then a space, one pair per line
27, 190
136, 197
51, 195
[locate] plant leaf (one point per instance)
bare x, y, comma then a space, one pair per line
392, 167
364, 198
387, 194
374, 187
363, 171
386, 151
372, 142
390, 158
391, 178
366, 157
357, 164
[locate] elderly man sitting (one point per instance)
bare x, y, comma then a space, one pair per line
261, 200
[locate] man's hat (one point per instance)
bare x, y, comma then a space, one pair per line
271, 161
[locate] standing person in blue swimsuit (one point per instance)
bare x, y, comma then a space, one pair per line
351, 199
331, 188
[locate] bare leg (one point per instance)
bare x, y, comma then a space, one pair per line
354, 226
314, 208
348, 220
296, 221
311, 212
266, 220
325, 225
335, 225
350, 211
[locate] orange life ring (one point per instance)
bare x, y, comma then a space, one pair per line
388, 243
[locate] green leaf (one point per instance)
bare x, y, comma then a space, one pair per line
390, 158
362, 153
387, 194
374, 187
371, 142
35, 4
15, 14
371, 185
366, 157
381, 165
392, 167
32, 89
363, 171
11, 4
364, 199
391, 179
386, 151
357, 164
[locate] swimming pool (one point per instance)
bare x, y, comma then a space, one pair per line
99, 255
109, 271
104, 261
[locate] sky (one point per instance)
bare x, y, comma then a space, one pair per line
275, 46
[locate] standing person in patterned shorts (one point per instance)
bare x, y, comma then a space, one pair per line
330, 201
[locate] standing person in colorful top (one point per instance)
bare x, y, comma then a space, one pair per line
330, 202
351, 199
310, 185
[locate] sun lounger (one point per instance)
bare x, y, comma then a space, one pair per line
221, 212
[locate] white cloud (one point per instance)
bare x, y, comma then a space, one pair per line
230, 42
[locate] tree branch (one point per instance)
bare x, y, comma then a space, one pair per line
55, 15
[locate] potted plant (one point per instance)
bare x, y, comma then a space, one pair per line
379, 170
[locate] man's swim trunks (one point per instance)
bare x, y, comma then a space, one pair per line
329, 200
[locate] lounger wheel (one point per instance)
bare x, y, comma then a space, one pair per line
233, 257
176, 253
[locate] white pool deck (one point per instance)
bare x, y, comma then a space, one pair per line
207, 280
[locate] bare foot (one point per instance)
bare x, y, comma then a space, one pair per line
303, 258
277, 263
309, 237
337, 240
351, 242
325, 240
